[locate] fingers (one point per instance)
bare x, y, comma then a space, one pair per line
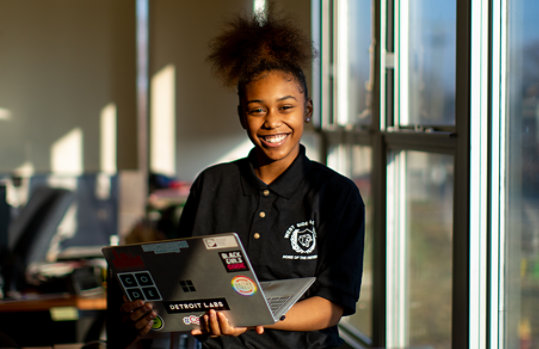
216, 324
144, 325
259, 329
128, 307
136, 313
140, 314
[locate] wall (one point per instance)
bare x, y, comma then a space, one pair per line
65, 63
62, 63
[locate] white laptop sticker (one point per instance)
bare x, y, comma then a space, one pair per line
220, 242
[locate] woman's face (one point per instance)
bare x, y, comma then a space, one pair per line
273, 111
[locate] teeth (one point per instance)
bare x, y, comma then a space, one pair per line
274, 139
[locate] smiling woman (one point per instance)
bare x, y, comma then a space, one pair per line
296, 217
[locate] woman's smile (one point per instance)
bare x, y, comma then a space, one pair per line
274, 140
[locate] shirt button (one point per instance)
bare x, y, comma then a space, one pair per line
262, 214
266, 192
256, 236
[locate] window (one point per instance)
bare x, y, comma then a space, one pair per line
420, 236
355, 161
520, 250
452, 140
347, 82
388, 96
427, 62
346, 63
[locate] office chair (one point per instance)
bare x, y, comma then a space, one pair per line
31, 232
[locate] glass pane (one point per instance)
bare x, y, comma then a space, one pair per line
355, 162
522, 172
353, 58
429, 63
429, 234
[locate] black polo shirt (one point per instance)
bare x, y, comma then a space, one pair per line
308, 222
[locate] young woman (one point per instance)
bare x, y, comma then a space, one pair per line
296, 217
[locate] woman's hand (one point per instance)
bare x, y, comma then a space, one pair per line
216, 324
140, 314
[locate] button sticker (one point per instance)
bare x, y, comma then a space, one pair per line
158, 323
244, 286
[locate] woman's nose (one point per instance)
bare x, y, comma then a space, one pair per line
272, 120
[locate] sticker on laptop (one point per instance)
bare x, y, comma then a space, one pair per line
139, 285
233, 261
123, 260
191, 320
243, 285
213, 243
158, 323
193, 305
166, 247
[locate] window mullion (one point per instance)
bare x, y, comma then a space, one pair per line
396, 263
479, 133
497, 190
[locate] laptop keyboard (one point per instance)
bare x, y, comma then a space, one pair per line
277, 302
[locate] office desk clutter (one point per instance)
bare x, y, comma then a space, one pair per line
48, 282
79, 277
164, 206
30, 234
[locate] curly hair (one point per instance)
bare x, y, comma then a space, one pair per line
250, 46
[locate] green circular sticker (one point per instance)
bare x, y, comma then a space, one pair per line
158, 323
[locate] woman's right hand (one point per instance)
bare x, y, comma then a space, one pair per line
140, 314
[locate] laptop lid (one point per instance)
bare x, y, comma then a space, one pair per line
185, 278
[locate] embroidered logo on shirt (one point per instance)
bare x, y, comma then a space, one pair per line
302, 237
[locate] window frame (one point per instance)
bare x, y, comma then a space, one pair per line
383, 137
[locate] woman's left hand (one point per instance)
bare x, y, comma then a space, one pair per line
215, 324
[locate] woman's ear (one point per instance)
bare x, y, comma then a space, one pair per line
308, 110
241, 116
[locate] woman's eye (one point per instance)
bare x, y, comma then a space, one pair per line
255, 111
286, 107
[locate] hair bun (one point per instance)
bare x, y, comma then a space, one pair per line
249, 43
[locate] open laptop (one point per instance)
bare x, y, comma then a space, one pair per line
185, 278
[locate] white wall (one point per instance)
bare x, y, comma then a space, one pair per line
62, 62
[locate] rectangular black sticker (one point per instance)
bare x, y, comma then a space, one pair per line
233, 261
194, 305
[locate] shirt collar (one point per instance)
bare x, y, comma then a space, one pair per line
285, 185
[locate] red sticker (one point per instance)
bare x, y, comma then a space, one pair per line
125, 261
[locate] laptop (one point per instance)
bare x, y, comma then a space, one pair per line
185, 278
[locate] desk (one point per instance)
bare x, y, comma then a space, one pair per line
40, 302
47, 319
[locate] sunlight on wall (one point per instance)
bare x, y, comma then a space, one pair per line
27, 169
5, 114
259, 6
66, 154
108, 139
239, 152
162, 122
